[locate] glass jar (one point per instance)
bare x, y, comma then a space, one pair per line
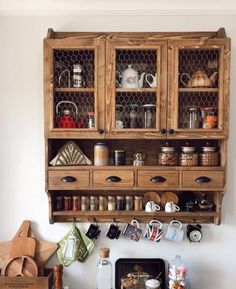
168, 156
120, 205
193, 117
209, 157
93, 203
133, 115
138, 203
177, 274
59, 203
111, 203
91, 120
85, 203
119, 120
149, 116
101, 154
209, 117
129, 203
77, 75
119, 157
139, 159
76, 203
67, 203
188, 157
102, 203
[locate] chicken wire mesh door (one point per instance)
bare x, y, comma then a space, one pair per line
74, 102
136, 85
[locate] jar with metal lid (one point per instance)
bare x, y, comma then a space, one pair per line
209, 117
101, 154
129, 203
209, 157
111, 203
188, 156
168, 156
193, 117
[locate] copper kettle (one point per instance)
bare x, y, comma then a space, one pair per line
198, 79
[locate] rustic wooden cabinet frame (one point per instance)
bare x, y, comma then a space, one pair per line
136, 180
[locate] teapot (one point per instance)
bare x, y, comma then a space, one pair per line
152, 83
199, 79
130, 79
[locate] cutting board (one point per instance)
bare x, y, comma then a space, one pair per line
44, 251
21, 244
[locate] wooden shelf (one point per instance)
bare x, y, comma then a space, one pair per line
198, 89
72, 89
148, 89
127, 216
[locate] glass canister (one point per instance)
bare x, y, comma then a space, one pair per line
111, 203
193, 117
129, 203
177, 274
188, 156
149, 116
91, 119
168, 156
101, 154
209, 157
119, 120
209, 117
133, 115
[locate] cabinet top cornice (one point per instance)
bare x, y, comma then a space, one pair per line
220, 33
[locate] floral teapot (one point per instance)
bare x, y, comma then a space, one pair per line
153, 82
199, 79
129, 78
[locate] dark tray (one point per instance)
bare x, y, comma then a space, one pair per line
152, 266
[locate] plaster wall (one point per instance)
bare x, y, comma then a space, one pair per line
22, 195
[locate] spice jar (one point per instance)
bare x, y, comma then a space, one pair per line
93, 203
102, 203
85, 203
188, 156
111, 203
138, 203
129, 203
209, 117
168, 156
67, 203
209, 157
59, 203
76, 203
101, 154
120, 205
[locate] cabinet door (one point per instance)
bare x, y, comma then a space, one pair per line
198, 75
136, 87
74, 87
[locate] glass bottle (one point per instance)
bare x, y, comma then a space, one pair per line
77, 75
119, 120
177, 274
91, 120
104, 270
149, 116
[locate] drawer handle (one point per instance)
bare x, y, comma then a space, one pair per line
68, 179
158, 179
113, 179
203, 180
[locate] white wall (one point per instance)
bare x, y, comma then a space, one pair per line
22, 196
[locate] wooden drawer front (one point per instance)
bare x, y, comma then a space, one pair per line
110, 178
158, 179
68, 179
203, 179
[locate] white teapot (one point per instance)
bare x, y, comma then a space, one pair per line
129, 78
153, 82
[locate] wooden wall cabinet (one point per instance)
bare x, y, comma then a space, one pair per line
176, 72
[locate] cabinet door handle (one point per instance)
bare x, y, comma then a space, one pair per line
203, 179
68, 179
158, 179
163, 131
113, 179
171, 131
101, 131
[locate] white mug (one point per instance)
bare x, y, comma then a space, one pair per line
175, 233
171, 207
152, 207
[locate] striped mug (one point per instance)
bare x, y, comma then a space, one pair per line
154, 231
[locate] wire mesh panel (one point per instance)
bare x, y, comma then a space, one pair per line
73, 109
140, 61
198, 88
198, 67
71, 63
198, 109
135, 109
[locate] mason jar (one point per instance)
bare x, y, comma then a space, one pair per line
209, 157
188, 157
168, 156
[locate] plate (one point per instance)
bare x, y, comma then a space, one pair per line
169, 197
138, 269
151, 196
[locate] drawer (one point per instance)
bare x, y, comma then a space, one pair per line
203, 179
68, 179
113, 178
158, 179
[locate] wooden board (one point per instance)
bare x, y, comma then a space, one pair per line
20, 266
151, 196
169, 197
